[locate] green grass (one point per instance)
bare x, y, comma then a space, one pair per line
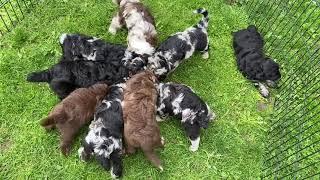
231, 147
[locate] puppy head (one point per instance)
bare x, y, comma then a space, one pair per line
205, 116
151, 76
252, 28
100, 90
137, 64
271, 70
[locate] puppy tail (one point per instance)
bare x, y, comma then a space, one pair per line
154, 159
48, 122
41, 76
53, 119
203, 23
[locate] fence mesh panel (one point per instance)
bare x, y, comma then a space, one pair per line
291, 31
12, 12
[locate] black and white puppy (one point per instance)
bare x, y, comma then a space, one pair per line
66, 76
180, 101
80, 47
178, 47
251, 61
104, 139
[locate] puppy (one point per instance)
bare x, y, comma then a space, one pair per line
180, 101
181, 46
139, 114
66, 76
251, 61
142, 35
104, 139
82, 47
73, 112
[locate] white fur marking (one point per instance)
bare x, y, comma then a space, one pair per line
263, 90
62, 38
194, 144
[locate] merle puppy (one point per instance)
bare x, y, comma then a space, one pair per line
251, 61
66, 76
181, 46
179, 100
79, 47
142, 34
104, 139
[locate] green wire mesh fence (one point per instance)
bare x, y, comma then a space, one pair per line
291, 31
12, 12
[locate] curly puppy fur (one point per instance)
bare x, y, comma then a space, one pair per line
74, 112
104, 139
83, 47
139, 114
66, 76
251, 61
181, 46
142, 35
180, 101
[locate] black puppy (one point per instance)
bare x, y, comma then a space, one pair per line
67, 76
83, 47
251, 61
104, 139
180, 101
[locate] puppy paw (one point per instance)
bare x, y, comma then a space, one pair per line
205, 55
161, 168
113, 175
162, 141
159, 119
194, 144
112, 30
65, 149
83, 156
193, 148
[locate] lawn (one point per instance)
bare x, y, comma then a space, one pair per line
231, 147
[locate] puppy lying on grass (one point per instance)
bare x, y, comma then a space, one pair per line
139, 114
142, 35
74, 112
66, 76
180, 101
104, 139
251, 61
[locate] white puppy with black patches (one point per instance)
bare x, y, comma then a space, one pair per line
180, 101
142, 35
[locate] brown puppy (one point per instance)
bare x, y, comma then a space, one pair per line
142, 35
139, 115
73, 112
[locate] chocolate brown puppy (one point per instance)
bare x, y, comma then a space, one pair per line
139, 114
73, 112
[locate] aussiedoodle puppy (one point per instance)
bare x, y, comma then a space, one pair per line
139, 114
83, 47
104, 139
66, 76
74, 112
180, 46
142, 35
180, 101
251, 61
